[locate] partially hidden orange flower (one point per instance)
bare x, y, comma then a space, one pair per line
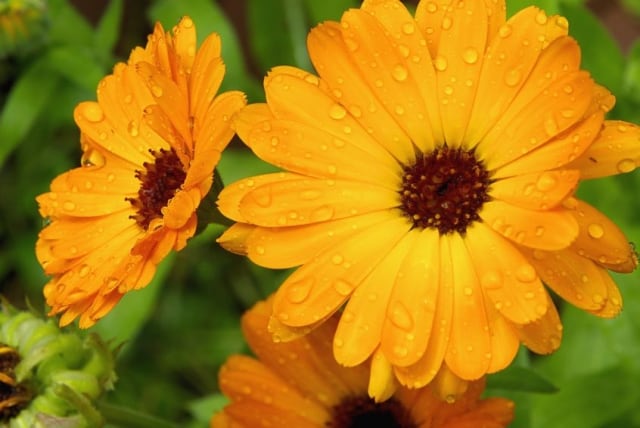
299, 384
429, 183
150, 145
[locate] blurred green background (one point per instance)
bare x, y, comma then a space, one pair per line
178, 330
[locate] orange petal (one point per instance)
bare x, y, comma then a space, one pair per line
460, 54
557, 152
234, 239
548, 230
335, 65
429, 16
516, 58
425, 369
534, 117
537, 191
615, 151
400, 25
286, 247
504, 341
544, 335
413, 302
309, 150
507, 278
601, 240
469, 350
206, 75
318, 288
360, 328
293, 201
613, 304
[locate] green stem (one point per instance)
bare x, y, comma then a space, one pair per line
126, 417
208, 211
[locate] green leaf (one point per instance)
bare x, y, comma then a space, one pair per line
328, 9
129, 316
632, 5
76, 65
517, 378
587, 401
67, 25
549, 6
24, 104
108, 30
204, 408
601, 55
209, 17
631, 81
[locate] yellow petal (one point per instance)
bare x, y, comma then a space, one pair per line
429, 16
601, 240
234, 239
425, 369
469, 350
286, 247
206, 75
413, 302
544, 335
319, 288
360, 328
296, 201
335, 65
615, 151
536, 191
548, 230
382, 384
507, 278
557, 152
516, 60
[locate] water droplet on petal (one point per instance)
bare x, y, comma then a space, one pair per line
440, 63
432, 7
401, 317
546, 182
512, 77
470, 56
92, 112
322, 213
541, 18
400, 73
299, 291
505, 31
492, 280
597, 299
468, 291
446, 23
84, 271
157, 91
626, 165
342, 287
596, 231
526, 273
337, 259
69, 206
133, 128
337, 112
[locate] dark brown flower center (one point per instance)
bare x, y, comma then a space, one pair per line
445, 190
158, 183
14, 396
363, 412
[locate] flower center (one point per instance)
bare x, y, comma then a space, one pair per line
14, 396
363, 412
158, 183
445, 190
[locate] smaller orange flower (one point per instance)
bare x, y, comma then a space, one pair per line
150, 144
299, 384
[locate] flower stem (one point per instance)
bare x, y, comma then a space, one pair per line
125, 417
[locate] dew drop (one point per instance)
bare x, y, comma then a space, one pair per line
299, 291
470, 56
512, 77
505, 31
526, 273
133, 128
596, 231
69, 206
401, 317
84, 271
310, 195
448, 90
337, 112
322, 213
492, 280
157, 91
541, 18
546, 182
337, 259
342, 287
440, 63
468, 291
400, 73
92, 112
260, 249
408, 28
446, 23
550, 127
338, 343
432, 7
400, 351
626, 165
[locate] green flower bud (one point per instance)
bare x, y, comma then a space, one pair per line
23, 26
49, 377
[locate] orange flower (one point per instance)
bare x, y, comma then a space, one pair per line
299, 384
150, 145
430, 173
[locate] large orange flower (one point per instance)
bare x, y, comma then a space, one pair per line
150, 144
428, 191
299, 384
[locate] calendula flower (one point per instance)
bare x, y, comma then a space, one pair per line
299, 384
47, 377
429, 186
23, 25
150, 144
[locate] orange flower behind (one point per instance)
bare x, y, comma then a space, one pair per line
428, 187
299, 384
150, 144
